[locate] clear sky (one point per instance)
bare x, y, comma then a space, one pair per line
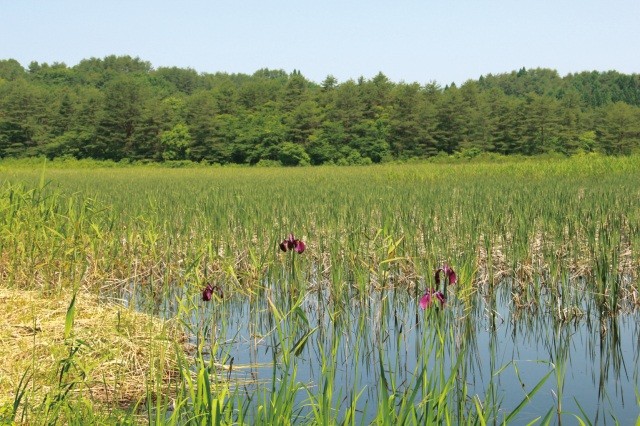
413, 41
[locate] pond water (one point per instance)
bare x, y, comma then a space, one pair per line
591, 362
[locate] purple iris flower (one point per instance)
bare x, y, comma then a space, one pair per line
292, 243
449, 273
432, 294
208, 291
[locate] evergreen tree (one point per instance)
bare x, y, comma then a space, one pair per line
119, 107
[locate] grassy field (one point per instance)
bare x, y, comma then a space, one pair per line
560, 235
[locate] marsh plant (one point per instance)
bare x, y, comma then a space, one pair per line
439, 292
351, 325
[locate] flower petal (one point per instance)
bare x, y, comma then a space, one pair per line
425, 300
441, 297
451, 275
291, 242
300, 246
283, 245
207, 293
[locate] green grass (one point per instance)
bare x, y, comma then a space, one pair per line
562, 235
378, 227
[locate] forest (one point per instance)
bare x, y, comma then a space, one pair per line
121, 108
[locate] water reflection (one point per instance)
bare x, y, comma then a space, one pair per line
357, 346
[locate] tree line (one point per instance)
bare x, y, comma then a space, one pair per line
121, 108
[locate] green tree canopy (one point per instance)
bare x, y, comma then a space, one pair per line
120, 107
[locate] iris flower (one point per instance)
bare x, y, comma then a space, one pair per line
449, 273
208, 291
432, 294
292, 243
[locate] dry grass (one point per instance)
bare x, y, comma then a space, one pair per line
122, 355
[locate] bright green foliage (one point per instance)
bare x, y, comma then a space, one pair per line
620, 129
120, 108
176, 142
293, 155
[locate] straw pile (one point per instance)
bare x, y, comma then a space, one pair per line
123, 354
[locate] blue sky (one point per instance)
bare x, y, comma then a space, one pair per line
421, 41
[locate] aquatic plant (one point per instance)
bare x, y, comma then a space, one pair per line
209, 290
432, 294
450, 275
292, 243
550, 237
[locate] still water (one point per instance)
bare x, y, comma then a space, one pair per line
590, 362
